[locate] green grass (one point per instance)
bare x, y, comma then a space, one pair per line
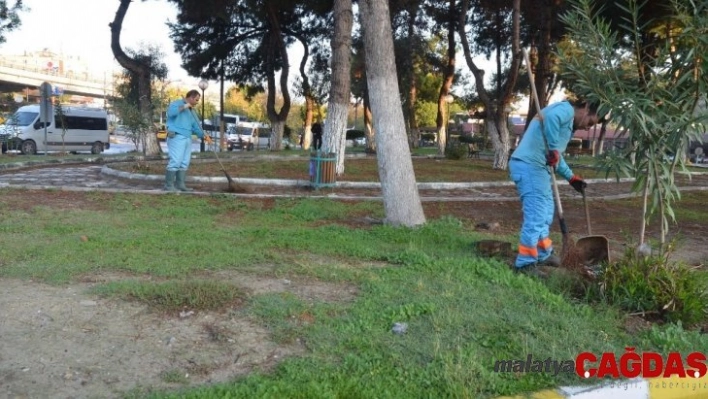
463, 312
174, 377
175, 295
691, 208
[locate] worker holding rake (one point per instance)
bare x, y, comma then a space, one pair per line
181, 124
539, 152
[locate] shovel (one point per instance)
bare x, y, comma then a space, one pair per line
593, 249
568, 251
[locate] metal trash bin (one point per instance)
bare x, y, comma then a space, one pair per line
323, 168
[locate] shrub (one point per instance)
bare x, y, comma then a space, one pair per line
467, 139
652, 286
427, 136
458, 151
353, 134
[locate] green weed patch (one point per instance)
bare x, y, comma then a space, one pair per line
172, 296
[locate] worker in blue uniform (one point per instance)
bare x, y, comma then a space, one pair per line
529, 169
181, 124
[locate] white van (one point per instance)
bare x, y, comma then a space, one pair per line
77, 129
248, 136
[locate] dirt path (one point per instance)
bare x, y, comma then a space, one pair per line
61, 342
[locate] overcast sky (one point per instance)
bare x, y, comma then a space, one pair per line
80, 28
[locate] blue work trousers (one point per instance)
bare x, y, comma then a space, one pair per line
533, 183
179, 148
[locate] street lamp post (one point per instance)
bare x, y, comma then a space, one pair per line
448, 99
203, 84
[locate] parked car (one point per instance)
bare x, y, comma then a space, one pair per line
248, 136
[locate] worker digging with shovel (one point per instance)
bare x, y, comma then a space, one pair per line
537, 156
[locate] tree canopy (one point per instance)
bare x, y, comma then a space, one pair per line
9, 16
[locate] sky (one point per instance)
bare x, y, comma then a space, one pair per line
80, 28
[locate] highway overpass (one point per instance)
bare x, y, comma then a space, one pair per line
18, 77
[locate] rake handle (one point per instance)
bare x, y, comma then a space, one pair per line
191, 112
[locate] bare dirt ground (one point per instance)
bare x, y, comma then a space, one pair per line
61, 342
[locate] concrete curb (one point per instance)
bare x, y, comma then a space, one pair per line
328, 196
97, 159
341, 184
638, 388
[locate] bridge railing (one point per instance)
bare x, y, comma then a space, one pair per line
84, 77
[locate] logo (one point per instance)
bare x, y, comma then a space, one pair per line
647, 364
630, 364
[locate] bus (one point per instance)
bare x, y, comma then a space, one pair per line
231, 120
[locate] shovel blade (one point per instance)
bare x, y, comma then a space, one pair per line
593, 250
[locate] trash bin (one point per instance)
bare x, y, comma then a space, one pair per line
323, 167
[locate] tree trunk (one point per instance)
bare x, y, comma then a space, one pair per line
496, 122
334, 139
541, 55
443, 106
307, 93
413, 128
368, 126
276, 46
401, 199
412, 121
142, 71
499, 135
600, 142
276, 133
307, 131
334, 136
151, 145
441, 135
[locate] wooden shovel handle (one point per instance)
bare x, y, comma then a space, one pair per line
587, 212
556, 193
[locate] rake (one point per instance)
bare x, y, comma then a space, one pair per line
233, 186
